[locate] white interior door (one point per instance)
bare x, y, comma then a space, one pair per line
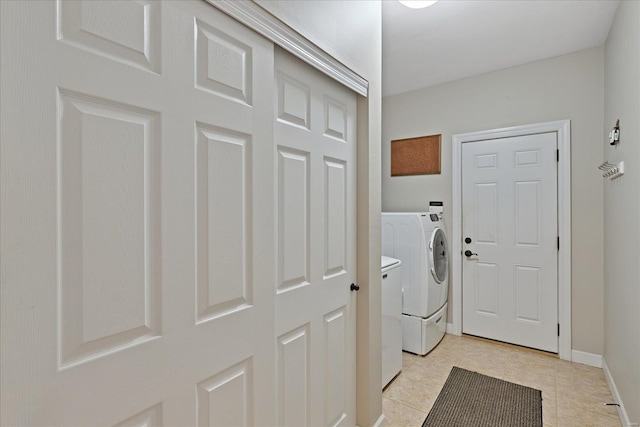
315, 137
177, 222
509, 205
137, 216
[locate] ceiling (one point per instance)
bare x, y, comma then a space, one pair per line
455, 39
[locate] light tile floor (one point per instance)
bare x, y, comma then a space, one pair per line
573, 395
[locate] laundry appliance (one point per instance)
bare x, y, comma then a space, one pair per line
391, 319
418, 239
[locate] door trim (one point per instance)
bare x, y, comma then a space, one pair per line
563, 131
259, 20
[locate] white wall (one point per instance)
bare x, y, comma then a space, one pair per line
622, 208
565, 87
351, 31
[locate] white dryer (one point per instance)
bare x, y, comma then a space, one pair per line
418, 239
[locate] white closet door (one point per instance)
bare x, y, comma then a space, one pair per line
137, 215
315, 137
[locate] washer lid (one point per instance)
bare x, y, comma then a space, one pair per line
388, 262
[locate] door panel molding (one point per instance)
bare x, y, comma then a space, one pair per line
563, 130
255, 17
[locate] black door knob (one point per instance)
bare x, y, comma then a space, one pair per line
467, 240
354, 287
468, 253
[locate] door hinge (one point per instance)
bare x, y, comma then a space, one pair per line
557, 155
558, 242
558, 329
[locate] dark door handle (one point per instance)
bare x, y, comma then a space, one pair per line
355, 287
468, 253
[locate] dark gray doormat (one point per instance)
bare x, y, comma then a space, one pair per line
470, 399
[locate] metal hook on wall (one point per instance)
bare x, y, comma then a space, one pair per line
611, 170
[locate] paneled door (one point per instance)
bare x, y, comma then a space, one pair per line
315, 190
137, 216
177, 222
509, 209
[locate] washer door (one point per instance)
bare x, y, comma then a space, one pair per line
439, 255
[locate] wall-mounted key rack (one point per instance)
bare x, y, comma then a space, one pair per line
612, 170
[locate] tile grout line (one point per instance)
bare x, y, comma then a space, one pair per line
407, 405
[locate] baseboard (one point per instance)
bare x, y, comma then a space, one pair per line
380, 422
586, 358
450, 328
622, 412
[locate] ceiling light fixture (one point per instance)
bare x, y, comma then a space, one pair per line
417, 4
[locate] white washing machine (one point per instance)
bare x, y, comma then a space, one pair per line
391, 319
418, 239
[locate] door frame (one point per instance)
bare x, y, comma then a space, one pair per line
563, 130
